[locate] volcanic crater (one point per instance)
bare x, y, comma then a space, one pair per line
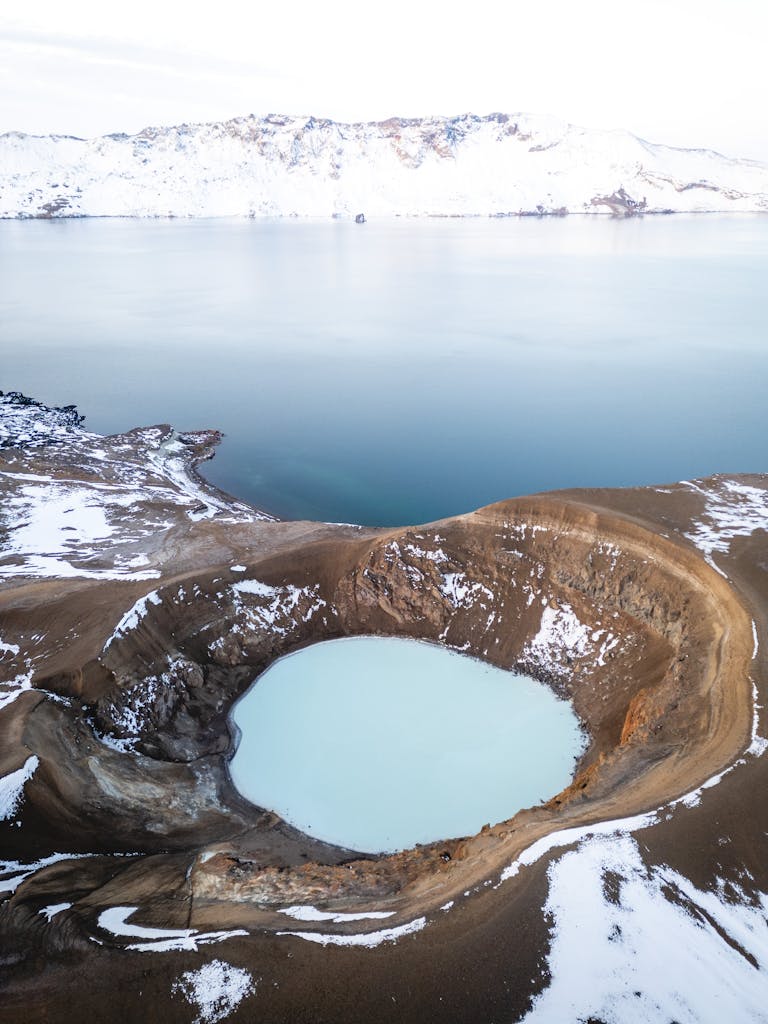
125, 645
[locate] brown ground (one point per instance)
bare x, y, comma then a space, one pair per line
670, 706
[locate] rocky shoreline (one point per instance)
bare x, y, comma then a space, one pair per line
137, 604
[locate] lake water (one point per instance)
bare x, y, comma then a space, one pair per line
379, 743
401, 371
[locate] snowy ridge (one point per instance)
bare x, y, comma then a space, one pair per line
158, 940
27, 423
500, 164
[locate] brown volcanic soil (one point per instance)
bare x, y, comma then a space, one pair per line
667, 705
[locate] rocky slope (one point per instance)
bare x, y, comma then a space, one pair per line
502, 164
136, 604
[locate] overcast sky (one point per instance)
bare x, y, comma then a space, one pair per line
684, 72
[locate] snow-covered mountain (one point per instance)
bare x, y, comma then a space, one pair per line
303, 166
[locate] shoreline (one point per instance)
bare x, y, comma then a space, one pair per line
290, 218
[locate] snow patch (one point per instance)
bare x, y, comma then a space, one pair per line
52, 524
278, 610
133, 616
462, 592
606, 646
438, 555
611, 551
12, 787
561, 636
53, 909
734, 510
13, 688
13, 872
368, 940
758, 744
635, 943
216, 989
134, 714
12, 649
309, 913
158, 940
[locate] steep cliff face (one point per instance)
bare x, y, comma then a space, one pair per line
501, 164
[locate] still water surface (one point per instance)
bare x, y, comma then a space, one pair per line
401, 371
378, 743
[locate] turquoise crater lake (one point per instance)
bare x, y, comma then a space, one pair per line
379, 743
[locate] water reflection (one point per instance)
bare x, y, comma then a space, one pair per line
407, 370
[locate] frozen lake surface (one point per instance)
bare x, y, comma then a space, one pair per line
379, 743
402, 371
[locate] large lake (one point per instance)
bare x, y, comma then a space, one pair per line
402, 371
379, 743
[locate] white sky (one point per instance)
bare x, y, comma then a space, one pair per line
685, 72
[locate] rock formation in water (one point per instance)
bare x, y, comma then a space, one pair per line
498, 165
137, 603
